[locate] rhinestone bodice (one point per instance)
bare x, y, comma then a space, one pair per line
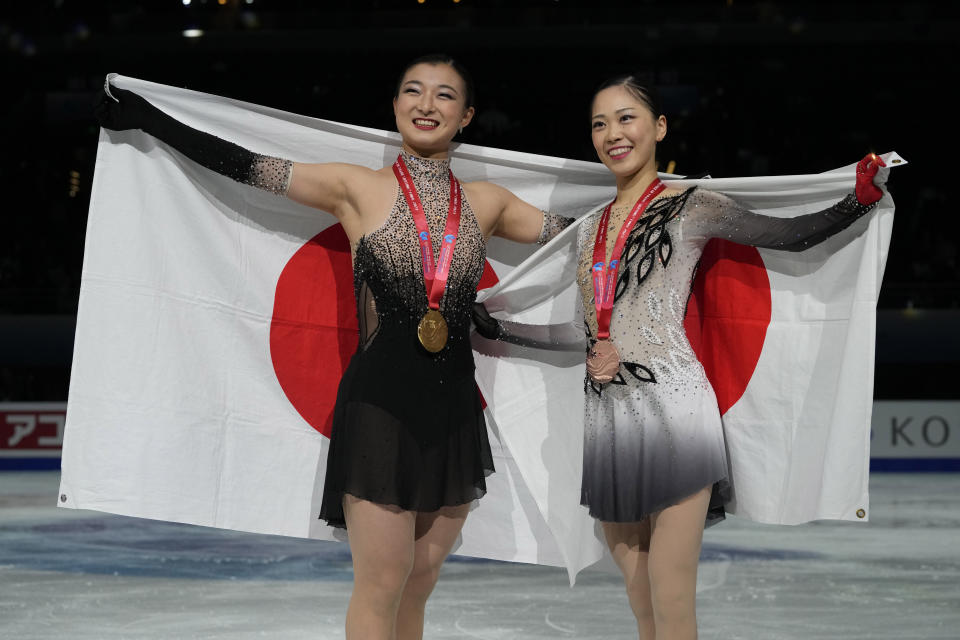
658, 264
653, 283
387, 269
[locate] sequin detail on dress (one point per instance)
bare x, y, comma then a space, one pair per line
384, 260
653, 435
661, 257
270, 174
408, 426
552, 225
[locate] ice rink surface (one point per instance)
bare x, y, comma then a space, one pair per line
89, 576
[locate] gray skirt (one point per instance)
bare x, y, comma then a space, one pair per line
648, 446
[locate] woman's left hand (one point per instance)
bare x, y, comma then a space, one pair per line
872, 174
487, 326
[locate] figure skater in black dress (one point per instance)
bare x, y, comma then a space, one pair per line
409, 449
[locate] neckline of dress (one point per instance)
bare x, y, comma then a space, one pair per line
656, 200
426, 167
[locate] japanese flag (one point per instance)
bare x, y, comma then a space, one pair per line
215, 320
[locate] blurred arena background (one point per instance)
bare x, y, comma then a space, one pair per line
749, 87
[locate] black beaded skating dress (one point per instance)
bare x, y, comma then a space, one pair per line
408, 426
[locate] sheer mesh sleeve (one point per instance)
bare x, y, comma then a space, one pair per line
270, 174
714, 215
552, 225
570, 336
552, 337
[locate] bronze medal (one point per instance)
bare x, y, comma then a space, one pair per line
432, 331
603, 361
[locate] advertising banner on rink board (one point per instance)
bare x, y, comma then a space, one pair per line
31, 434
908, 435
915, 435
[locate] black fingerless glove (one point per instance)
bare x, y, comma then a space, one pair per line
131, 111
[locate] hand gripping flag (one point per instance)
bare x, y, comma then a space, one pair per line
215, 320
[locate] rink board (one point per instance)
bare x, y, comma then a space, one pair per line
907, 435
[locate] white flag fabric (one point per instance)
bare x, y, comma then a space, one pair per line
215, 319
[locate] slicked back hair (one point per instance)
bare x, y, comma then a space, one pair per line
630, 82
442, 58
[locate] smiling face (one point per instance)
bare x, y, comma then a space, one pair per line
625, 131
430, 107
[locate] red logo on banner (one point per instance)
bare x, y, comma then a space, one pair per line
728, 315
31, 429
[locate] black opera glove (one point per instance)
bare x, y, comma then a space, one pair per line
487, 326
551, 337
121, 110
115, 115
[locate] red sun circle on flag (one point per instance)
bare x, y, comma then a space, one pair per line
314, 333
727, 316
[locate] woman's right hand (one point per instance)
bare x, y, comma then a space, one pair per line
120, 109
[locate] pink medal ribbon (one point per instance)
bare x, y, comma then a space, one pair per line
603, 361
432, 330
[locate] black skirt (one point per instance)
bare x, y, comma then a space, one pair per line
408, 427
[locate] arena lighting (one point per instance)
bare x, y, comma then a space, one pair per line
74, 184
186, 3
221, 2
192, 33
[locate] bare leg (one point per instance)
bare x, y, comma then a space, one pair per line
382, 544
629, 544
676, 534
436, 533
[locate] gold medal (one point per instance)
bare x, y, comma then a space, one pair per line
603, 361
432, 331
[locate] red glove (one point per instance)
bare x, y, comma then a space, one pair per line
870, 178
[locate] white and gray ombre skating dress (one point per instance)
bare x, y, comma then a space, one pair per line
653, 435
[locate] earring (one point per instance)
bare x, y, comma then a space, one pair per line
461, 130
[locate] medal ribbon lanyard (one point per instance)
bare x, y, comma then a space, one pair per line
434, 277
605, 274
